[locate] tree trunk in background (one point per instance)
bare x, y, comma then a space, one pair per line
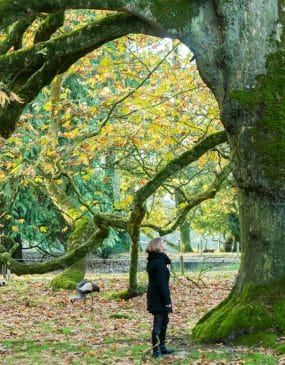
114, 179
112, 189
184, 227
185, 237
82, 229
18, 254
135, 222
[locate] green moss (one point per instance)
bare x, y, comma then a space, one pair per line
267, 340
280, 348
72, 275
170, 14
258, 339
120, 316
279, 314
232, 320
81, 225
268, 101
67, 280
255, 310
125, 294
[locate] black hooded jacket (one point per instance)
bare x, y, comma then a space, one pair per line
158, 293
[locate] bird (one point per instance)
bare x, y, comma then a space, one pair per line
84, 288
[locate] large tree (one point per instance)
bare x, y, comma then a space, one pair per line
240, 53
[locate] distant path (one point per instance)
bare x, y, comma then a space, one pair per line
121, 263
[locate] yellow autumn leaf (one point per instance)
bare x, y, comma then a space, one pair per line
21, 220
43, 229
2, 175
44, 127
48, 106
86, 177
15, 228
105, 62
91, 353
44, 140
93, 109
37, 179
50, 153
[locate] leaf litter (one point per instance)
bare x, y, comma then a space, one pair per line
35, 319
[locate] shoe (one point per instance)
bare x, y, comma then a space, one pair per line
156, 352
164, 350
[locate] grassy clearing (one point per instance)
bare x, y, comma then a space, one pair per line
40, 326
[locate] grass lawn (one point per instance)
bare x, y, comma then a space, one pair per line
40, 326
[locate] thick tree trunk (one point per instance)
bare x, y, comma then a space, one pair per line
255, 310
252, 99
263, 237
185, 237
82, 230
256, 124
72, 275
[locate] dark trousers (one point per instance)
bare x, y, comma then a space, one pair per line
160, 322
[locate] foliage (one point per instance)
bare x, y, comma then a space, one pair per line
32, 217
107, 122
218, 216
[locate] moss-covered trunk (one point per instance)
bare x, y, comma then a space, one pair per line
136, 218
255, 309
250, 87
83, 229
256, 305
263, 237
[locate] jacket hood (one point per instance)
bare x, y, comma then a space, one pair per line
159, 256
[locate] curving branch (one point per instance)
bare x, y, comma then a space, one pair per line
49, 26
26, 71
54, 264
193, 201
138, 211
13, 10
15, 35
178, 164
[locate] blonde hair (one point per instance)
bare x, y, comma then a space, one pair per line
155, 245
